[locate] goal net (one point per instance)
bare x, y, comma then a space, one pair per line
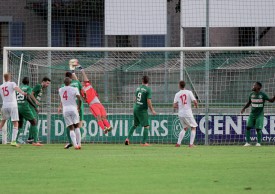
221, 79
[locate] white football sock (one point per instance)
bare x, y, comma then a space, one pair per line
72, 135
14, 134
192, 137
78, 136
181, 136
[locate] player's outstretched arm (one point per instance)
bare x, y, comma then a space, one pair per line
246, 106
271, 99
19, 90
149, 102
74, 76
85, 78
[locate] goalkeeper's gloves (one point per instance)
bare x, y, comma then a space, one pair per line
72, 64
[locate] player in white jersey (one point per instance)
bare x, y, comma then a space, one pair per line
68, 95
9, 108
183, 102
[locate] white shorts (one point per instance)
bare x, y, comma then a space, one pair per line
188, 122
10, 113
71, 117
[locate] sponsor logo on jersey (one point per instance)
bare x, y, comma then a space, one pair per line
257, 105
256, 100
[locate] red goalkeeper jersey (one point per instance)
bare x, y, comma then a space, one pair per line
89, 93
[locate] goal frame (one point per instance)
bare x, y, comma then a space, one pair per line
182, 50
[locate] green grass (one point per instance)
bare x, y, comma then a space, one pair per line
136, 169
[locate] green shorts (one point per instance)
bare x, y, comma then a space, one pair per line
141, 118
25, 113
256, 122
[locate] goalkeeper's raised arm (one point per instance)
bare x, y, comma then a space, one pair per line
85, 78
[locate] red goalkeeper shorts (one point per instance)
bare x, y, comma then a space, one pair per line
98, 110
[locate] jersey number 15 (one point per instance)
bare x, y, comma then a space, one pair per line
5, 91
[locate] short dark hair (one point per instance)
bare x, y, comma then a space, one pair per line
25, 81
67, 81
46, 79
145, 79
259, 84
68, 74
182, 84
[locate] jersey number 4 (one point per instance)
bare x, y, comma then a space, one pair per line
65, 95
5, 91
183, 98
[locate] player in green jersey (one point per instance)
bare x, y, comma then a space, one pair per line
25, 111
143, 97
37, 93
256, 118
76, 84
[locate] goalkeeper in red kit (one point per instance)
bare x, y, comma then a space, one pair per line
90, 95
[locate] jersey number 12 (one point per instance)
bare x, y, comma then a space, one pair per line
183, 98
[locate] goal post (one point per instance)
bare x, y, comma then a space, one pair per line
116, 72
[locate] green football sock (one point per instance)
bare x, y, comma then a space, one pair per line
30, 132
35, 133
131, 131
145, 135
259, 135
68, 136
18, 134
247, 135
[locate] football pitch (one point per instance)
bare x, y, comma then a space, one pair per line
99, 168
